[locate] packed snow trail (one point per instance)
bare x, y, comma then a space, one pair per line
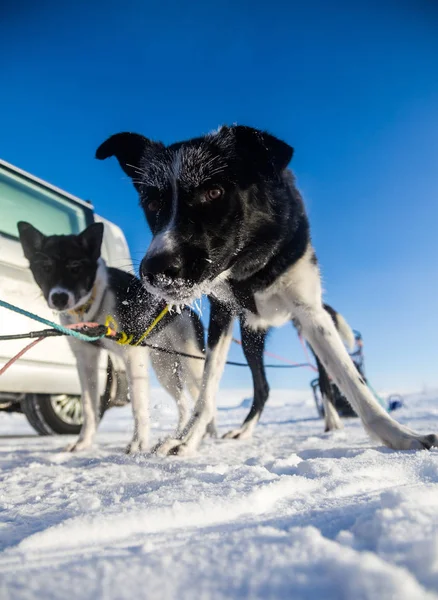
293, 513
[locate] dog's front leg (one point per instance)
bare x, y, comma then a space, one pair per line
87, 360
253, 345
219, 339
319, 330
137, 370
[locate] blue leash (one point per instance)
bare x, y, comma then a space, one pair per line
64, 330
382, 403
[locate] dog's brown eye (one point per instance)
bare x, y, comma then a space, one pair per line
153, 206
213, 193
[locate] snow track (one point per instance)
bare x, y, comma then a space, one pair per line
292, 513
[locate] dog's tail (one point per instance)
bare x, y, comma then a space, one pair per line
343, 327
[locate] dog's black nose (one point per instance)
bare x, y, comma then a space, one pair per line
59, 300
163, 267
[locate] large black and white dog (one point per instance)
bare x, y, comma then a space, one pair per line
76, 283
228, 221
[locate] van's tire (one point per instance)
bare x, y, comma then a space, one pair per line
62, 413
57, 414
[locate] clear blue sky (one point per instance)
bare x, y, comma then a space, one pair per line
353, 86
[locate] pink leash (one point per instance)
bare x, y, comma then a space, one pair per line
35, 342
285, 360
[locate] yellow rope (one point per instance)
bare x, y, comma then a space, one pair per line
125, 340
112, 326
153, 324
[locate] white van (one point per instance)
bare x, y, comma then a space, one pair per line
44, 384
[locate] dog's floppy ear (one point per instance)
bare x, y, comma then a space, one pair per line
260, 151
128, 148
31, 239
91, 239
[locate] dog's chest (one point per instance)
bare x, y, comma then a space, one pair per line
273, 309
277, 304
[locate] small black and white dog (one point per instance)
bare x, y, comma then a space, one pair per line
76, 283
228, 221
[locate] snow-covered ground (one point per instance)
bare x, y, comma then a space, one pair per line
293, 513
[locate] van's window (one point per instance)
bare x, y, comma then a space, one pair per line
21, 200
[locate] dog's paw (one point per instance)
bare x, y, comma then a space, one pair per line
241, 433
165, 447
78, 446
332, 420
333, 426
174, 447
424, 442
244, 432
182, 449
136, 446
398, 437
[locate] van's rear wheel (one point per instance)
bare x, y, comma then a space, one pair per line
53, 414
62, 413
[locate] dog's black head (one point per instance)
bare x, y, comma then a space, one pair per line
204, 201
64, 266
